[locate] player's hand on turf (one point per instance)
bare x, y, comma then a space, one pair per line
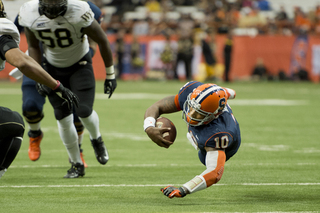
109, 86
68, 96
156, 135
43, 90
171, 192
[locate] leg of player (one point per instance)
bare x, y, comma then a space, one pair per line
11, 135
69, 136
32, 107
82, 83
92, 124
80, 128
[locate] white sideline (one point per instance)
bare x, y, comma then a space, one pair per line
158, 185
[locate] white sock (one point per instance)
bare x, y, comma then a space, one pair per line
91, 123
34, 126
69, 136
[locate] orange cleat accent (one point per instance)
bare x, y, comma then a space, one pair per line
84, 163
34, 147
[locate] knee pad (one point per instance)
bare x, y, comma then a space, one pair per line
33, 117
31, 100
84, 111
61, 114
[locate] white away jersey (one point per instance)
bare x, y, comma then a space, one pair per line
64, 43
7, 27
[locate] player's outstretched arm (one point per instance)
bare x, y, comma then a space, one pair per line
215, 161
29, 67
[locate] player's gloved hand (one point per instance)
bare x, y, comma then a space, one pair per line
43, 90
109, 86
67, 95
171, 192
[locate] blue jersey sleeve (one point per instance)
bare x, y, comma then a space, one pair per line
97, 12
16, 22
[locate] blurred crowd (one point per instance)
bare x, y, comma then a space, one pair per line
154, 17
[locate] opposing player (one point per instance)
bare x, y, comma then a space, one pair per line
11, 123
32, 102
63, 26
212, 130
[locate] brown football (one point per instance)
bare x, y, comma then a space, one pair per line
163, 122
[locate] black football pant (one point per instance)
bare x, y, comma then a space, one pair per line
79, 78
11, 135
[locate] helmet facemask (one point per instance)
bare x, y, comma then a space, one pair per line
194, 112
53, 8
192, 104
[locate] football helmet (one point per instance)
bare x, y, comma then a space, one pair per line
2, 13
52, 8
204, 104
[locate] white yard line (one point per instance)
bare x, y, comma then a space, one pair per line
156, 185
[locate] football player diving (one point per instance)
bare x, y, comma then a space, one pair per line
32, 101
212, 130
62, 26
11, 123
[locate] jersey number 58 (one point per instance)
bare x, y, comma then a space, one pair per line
63, 38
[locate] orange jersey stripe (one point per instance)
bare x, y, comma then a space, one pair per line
176, 102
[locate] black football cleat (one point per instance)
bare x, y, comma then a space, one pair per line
100, 150
76, 170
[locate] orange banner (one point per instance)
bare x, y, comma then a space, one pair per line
275, 50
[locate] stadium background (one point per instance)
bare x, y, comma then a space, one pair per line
276, 169
284, 50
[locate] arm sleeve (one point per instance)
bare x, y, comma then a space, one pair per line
6, 43
215, 161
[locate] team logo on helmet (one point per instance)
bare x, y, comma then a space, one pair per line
204, 104
53, 8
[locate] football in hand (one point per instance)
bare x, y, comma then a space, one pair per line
163, 122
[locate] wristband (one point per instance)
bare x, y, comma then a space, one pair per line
58, 85
110, 72
196, 184
149, 121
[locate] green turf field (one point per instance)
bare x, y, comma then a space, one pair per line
277, 168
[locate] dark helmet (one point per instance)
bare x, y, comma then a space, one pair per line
52, 8
2, 13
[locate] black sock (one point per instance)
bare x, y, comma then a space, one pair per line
34, 133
